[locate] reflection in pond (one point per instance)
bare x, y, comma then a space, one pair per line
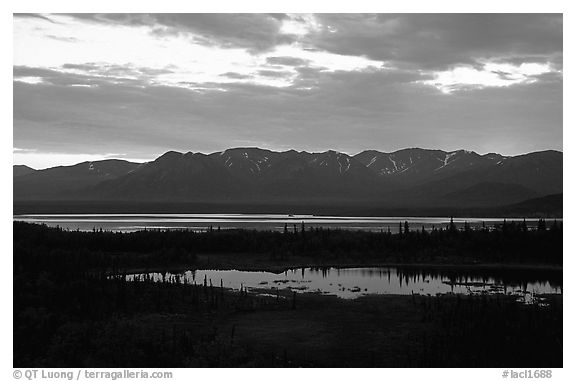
350, 283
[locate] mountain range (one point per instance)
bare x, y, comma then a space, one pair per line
412, 177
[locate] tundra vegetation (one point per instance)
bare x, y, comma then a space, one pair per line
74, 305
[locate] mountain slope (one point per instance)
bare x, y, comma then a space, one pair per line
62, 181
489, 194
21, 170
416, 165
409, 178
243, 174
551, 205
173, 175
540, 172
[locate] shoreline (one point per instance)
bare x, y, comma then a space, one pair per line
280, 268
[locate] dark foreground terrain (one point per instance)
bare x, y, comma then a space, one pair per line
73, 305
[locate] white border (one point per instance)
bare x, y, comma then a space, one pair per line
430, 6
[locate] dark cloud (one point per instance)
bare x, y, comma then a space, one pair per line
235, 75
503, 75
256, 32
274, 73
63, 39
84, 67
24, 71
154, 72
287, 61
92, 73
438, 41
34, 16
552, 77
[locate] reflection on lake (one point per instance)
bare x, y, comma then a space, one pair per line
132, 222
350, 283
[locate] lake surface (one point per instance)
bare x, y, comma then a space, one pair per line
351, 283
200, 222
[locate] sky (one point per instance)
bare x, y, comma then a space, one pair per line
133, 86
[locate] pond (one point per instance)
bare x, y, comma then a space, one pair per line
351, 283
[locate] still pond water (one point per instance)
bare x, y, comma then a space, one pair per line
351, 283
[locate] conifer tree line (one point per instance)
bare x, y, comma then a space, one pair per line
505, 242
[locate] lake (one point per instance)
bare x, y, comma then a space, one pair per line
351, 283
200, 222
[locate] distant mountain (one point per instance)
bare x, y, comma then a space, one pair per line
415, 165
547, 206
62, 182
487, 194
537, 173
21, 170
411, 177
243, 174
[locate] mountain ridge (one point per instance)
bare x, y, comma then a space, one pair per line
411, 176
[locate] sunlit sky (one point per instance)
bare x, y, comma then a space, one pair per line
133, 86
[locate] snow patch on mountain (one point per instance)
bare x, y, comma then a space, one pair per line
447, 160
393, 162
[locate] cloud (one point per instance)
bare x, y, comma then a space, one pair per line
33, 16
63, 39
348, 111
96, 77
256, 32
142, 84
439, 41
134, 52
274, 73
489, 75
233, 75
287, 61
432, 42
